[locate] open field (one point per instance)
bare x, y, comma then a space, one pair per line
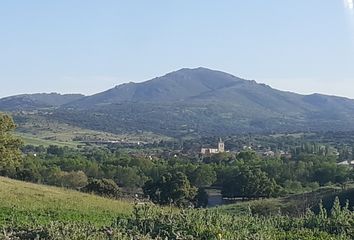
23, 203
36, 129
30, 139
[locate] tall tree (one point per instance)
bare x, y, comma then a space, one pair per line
171, 188
248, 182
203, 176
10, 154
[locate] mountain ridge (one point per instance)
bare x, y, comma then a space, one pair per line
201, 101
36, 101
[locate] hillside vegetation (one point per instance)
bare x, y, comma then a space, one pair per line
30, 211
206, 102
40, 130
294, 205
28, 203
192, 102
36, 101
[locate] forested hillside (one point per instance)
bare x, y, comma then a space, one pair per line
192, 102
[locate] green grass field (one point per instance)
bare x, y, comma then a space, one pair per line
23, 203
39, 130
30, 139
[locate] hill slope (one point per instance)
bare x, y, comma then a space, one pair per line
205, 86
199, 102
36, 101
182, 85
24, 202
205, 102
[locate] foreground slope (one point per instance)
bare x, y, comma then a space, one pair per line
22, 202
78, 216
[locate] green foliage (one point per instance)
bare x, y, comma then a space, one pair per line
248, 182
172, 188
203, 176
248, 156
103, 187
63, 214
149, 223
29, 204
129, 177
72, 179
56, 150
201, 199
10, 155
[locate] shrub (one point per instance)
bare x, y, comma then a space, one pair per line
103, 187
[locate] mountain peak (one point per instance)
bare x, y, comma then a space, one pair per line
181, 85
202, 70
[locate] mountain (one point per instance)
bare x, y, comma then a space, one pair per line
36, 101
205, 102
179, 86
203, 86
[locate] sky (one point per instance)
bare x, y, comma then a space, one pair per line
87, 46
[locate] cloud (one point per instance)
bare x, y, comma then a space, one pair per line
349, 4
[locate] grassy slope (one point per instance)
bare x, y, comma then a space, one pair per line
21, 202
30, 139
39, 130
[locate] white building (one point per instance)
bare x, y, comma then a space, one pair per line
220, 149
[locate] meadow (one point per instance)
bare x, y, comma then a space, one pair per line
40, 130
27, 203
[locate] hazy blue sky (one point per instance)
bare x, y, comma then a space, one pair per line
88, 46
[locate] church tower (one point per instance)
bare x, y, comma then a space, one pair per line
221, 146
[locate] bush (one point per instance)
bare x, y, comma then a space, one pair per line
68, 179
103, 187
75, 179
201, 199
28, 175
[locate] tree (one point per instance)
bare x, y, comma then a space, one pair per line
248, 156
172, 188
55, 150
67, 179
75, 179
103, 187
129, 177
248, 182
30, 170
201, 199
10, 154
203, 176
